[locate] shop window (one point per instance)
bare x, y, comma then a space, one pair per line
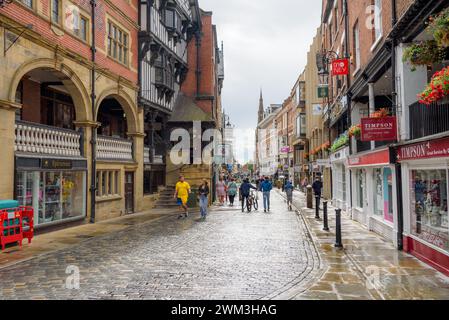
55, 196
361, 188
429, 212
388, 194
107, 183
378, 193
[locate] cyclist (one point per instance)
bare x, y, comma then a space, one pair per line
245, 189
289, 192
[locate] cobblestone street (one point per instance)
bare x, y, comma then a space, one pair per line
233, 255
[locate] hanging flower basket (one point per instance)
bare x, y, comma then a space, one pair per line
325, 146
381, 113
437, 89
355, 131
439, 27
424, 54
306, 156
342, 141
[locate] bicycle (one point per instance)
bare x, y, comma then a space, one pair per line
252, 202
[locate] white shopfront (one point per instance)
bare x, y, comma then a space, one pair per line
340, 179
374, 192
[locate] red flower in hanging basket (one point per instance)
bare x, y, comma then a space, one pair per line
381, 113
437, 89
355, 131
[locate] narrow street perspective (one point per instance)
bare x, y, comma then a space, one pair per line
198, 151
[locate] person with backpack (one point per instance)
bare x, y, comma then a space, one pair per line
289, 193
232, 191
266, 186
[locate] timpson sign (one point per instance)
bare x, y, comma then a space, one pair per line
379, 129
426, 150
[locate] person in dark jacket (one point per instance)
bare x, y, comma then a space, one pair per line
245, 189
317, 186
203, 193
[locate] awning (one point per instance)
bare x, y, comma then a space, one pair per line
371, 159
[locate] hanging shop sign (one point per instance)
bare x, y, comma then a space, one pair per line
317, 109
285, 149
323, 91
379, 129
426, 150
56, 164
340, 67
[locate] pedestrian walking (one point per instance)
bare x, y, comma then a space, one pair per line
203, 193
221, 191
266, 187
304, 184
289, 193
317, 186
245, 189
182, 191
232, 191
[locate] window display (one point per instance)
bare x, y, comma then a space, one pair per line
378, 194
361, 189
429, 206
55, 196
388, 194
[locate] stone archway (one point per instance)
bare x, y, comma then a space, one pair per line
127, 105
72, 83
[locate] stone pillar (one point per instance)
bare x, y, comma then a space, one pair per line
7, 141
138, 139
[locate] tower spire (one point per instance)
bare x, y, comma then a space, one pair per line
261, 108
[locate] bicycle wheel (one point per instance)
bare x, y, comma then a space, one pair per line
256, 205
249, 205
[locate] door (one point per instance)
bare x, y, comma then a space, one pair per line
129, 192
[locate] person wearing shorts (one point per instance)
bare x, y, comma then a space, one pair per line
181, 195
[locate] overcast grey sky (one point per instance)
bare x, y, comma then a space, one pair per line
265, 45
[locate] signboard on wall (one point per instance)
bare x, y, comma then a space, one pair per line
323, 91
340, 67
425, 150
379, 129
317, 110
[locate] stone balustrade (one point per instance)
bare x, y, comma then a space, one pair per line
157, 159
110, 148
42, 139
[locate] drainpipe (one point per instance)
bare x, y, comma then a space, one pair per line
93, 187
398, 168
348, 94
198, 61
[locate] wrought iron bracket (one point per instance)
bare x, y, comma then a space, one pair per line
6, 48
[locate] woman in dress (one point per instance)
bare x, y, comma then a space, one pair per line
221, 191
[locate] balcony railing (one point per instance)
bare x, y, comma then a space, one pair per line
157, 159
110, 148
428, 120
42, 139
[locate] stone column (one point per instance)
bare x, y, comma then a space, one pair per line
7, 141
138, 139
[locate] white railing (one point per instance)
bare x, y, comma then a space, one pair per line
42, 139
146, 155
157, 159
109, 148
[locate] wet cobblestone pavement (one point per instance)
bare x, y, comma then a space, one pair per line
232, 255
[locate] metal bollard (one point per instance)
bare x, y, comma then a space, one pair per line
338, 242
317, 207
325, 219
309, 197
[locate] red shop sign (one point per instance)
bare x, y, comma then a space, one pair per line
379, 129
340, 67
376, 158
426, 150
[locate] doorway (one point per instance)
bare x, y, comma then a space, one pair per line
129, 192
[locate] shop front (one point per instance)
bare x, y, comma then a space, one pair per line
425, 172
374, 192
55, 188
340, 179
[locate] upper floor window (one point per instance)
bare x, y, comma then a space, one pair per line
81, 28
28, 3
377, 19
56, 11
118, 45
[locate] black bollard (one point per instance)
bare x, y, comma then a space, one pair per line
317, 207
338, 242
326, 222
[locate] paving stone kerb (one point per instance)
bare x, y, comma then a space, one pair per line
232, 255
